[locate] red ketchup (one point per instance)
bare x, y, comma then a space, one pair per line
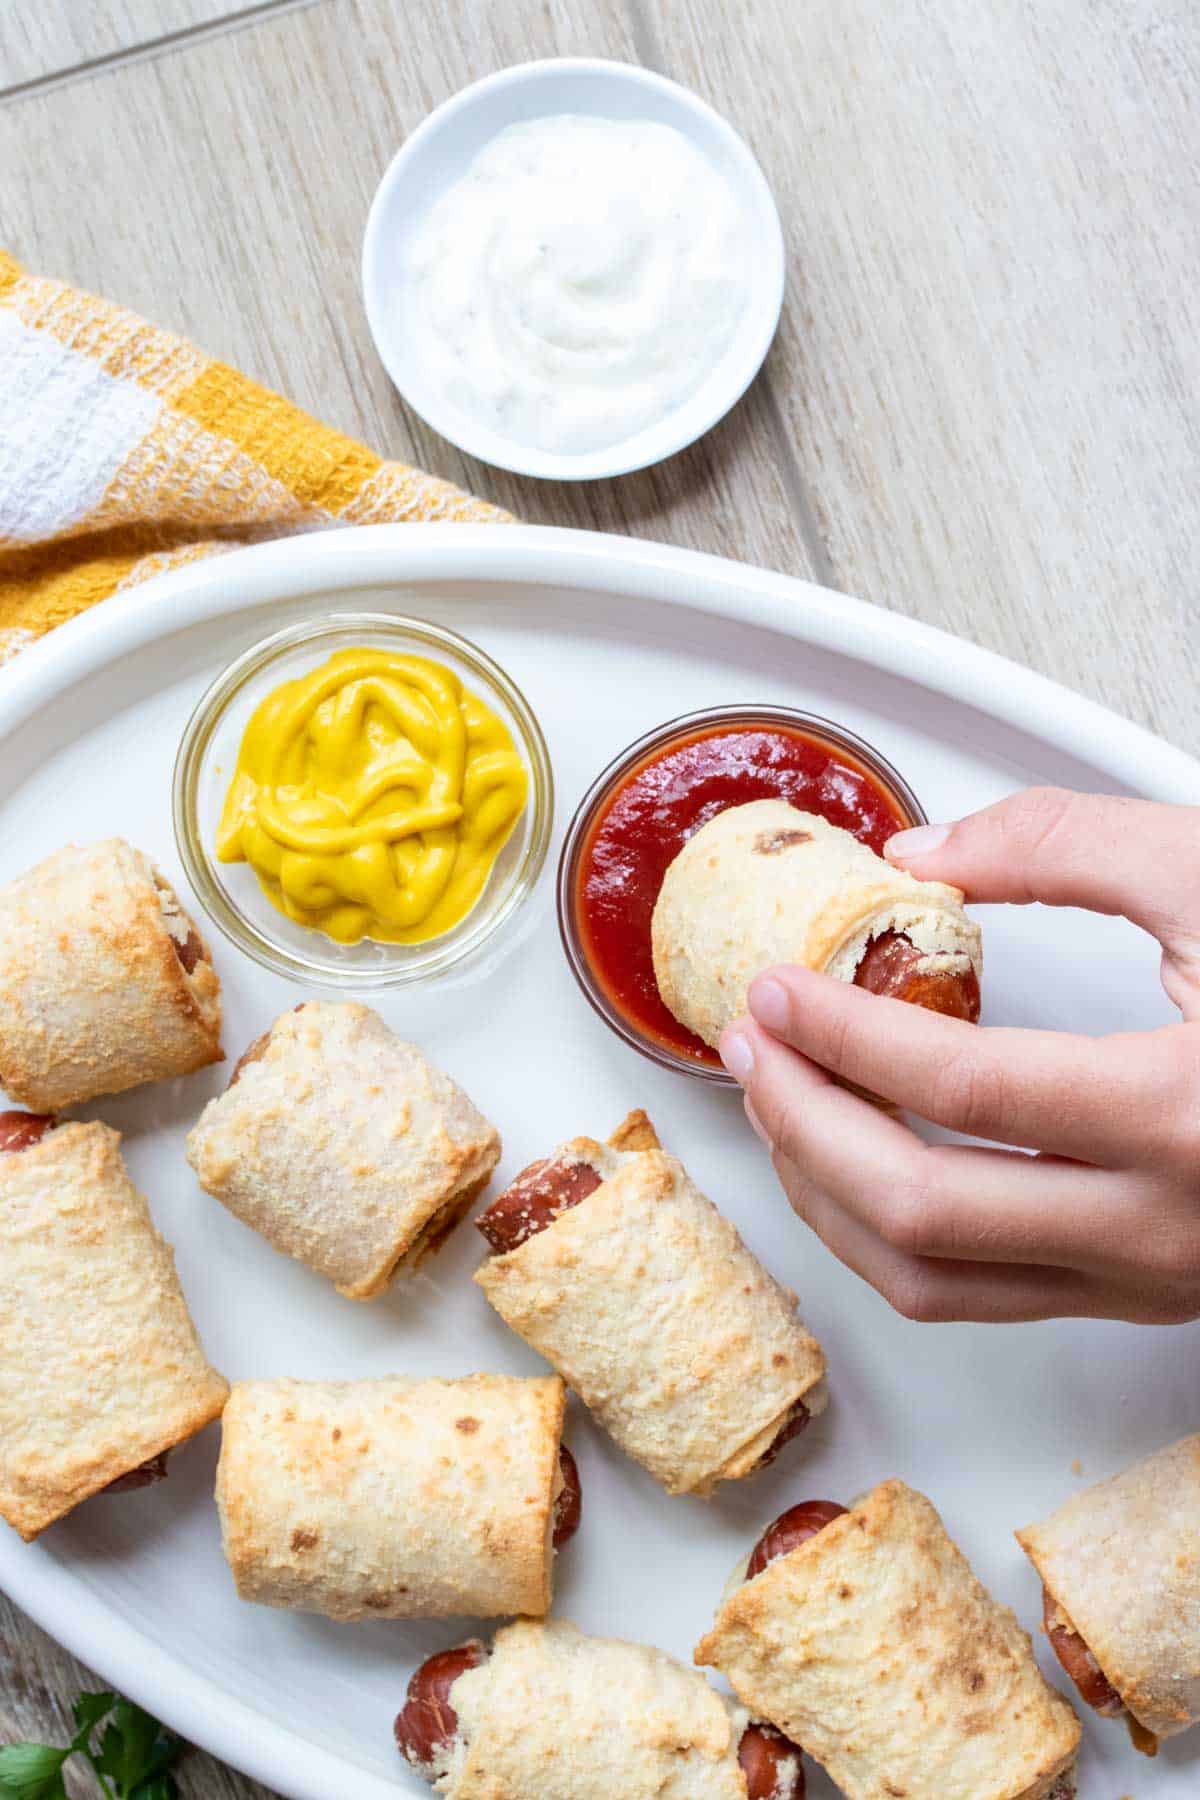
660, 803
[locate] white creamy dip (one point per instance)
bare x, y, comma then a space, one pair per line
580, 279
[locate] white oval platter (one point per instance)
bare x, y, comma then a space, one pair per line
606, 637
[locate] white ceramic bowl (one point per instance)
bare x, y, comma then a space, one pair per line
440, 150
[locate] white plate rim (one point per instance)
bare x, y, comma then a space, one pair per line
547, 556
59, 1599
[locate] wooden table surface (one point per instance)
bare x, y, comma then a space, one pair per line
981, 408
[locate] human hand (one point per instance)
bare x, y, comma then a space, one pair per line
1105, 1220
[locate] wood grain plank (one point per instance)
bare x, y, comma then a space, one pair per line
223, 192
37, 41
39, 1681
991, 349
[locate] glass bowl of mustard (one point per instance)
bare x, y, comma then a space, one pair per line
363, 801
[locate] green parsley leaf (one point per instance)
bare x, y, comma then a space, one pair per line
132, 1762
159, 1787
135, 1750
89, 1709
32, 1772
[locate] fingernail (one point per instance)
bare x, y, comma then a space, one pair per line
756, 1123
919, 842
769, 1004
737, 1056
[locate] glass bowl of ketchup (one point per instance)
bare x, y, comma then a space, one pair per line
641, 810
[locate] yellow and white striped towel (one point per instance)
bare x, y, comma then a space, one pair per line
125, 451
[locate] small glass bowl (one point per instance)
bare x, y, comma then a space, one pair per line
843, 743
230, 892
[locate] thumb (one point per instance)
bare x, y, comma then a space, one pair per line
1128, 857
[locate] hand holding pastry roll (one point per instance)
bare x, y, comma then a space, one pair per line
1105, 1222
101, 1373
862, 1634
105, 982
1120, 1568
552, 1713
397, 1499
618, 1271
344, 1147
765, 883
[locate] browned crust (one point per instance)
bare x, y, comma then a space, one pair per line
436, 1231
574, 1307
299, 1500
635, 1132
356, 1202
94, 998
1150, 1705
866, 1607
95, 1229
30, 1521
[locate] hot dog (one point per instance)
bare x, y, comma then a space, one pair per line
397, 1498
18, 1130
790, 1530
105, 981
427, 1725
1094, 1686
546, 1678
798, 1417
143, 1476
568, 1508
102, 1372
862, 1634
254, 1053
765, 883
344, 1147
1119, 1566
257, 1050
538, 1196
186, 941
771, 1764
534, 1200
594, 1241
891, 964
190, 952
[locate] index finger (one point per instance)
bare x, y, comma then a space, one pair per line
1108, 854
1098, 1100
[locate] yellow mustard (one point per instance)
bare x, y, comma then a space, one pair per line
372, 797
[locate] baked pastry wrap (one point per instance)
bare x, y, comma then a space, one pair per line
875, 1646
105, 981
1122, 1562
557, 1715
343, 1146
101, 1369
765, 883
392, 1498
651, 1307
